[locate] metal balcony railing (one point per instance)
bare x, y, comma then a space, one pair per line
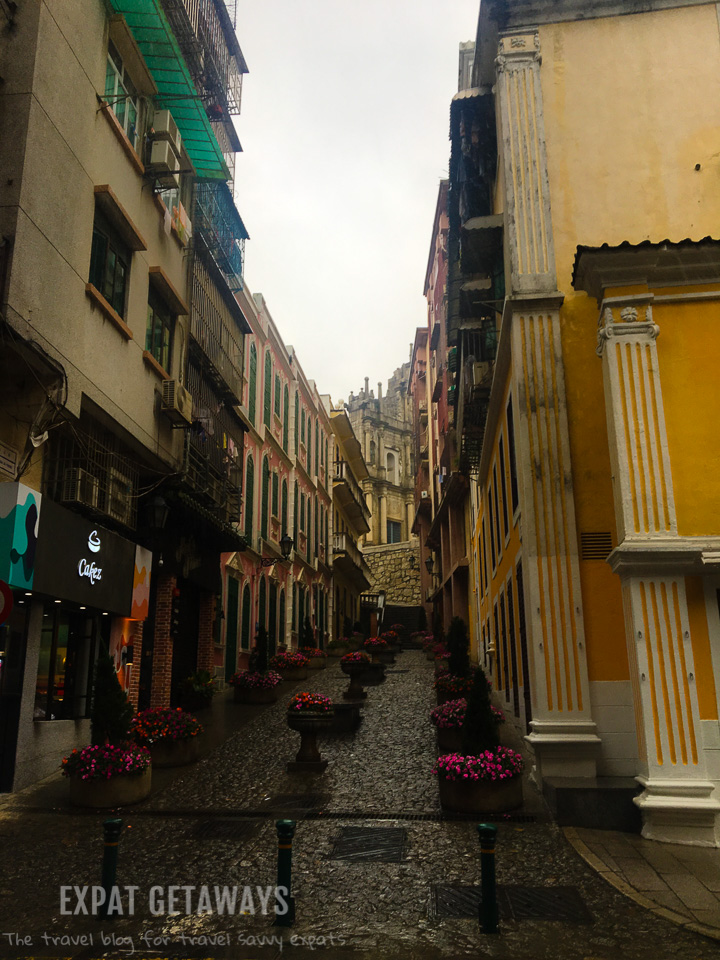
343, 474
215, 331
220, 225
343, 543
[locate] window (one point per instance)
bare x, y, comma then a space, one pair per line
317, 441
503, 488
394, 531
297, 421
159, 333
267, 405
121, 95
275, 497
252, 384
511, 455
296, 515
265, 498
249, 491
277, 395
390, 462
284, 509
68, 643
286, 420
109, 264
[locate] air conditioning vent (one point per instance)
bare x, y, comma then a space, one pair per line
79, 486
424, 494
176, 402
595, 546
165, 128
164, 165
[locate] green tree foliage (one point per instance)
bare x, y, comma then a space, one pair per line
480, 730
111, 710
458, 643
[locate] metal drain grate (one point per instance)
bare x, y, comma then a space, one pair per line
370, 844
225, 829
514, 903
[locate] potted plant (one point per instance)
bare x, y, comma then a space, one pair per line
428, 646
290, 666
442, 659
489, 782
108, 775
375, 646
196, 691
250, 686
401, 630
110, 772
458, 644
317, 659
355, 665
171, 735
338, 648
449, 720
309, 714
449, 687
391, 638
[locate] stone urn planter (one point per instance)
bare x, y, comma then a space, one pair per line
449, 740
387, 657
174, 753
309, 714
355, 669
290, 666
316, 660
347, 718
118, 791
373, 675
487, 783
254, 686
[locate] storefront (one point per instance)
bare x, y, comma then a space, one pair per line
76, 585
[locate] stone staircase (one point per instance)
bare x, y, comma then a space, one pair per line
409, 617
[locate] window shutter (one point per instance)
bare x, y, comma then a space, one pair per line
249, 493
267, 408
252, 388
265, 495
286, 420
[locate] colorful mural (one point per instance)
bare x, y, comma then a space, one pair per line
19, 520
141, 584
119, 642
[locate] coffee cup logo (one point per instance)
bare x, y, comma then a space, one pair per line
94, 542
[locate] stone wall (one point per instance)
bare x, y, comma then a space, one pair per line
391, 570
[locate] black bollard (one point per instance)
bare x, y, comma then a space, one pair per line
111, 836
285, 832
488, 905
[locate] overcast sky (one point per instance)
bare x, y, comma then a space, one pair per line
344, 128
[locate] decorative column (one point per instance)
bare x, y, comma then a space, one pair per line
410, 515
382, 538
676, 804
563, 734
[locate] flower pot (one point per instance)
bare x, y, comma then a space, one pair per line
449, 740
373, 674
316, 663
308, 725
387, 657
481, 796
293, 673
255, 694
119, 791
174, 753
355, 670
441, 666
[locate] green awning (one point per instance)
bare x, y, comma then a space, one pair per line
176, 90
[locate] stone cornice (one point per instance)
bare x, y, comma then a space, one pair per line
666, 556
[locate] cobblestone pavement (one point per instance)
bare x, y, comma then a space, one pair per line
379, 776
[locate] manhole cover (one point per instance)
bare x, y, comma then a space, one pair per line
514, 903
370, 844
225, 829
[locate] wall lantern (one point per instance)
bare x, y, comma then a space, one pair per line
429, 563
286, 545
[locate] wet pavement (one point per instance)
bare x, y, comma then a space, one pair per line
213, 824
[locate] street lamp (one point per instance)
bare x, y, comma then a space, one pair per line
286, 545
429, 564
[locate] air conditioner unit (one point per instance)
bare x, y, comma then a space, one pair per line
118, 503
79, 486
165, 128
481, 372
164, 165
424, 494
176, 402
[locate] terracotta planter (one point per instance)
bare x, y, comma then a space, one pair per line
476, 796
174, 753
316, 663
118, 791
255, 694
309, 725
293, 673
449, 740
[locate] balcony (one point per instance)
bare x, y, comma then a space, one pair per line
350, 497
220, 226
217, 327
349, 561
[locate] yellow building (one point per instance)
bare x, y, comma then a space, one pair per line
584, 215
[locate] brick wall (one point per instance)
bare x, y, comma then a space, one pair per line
136, 640
206, 633
163, 644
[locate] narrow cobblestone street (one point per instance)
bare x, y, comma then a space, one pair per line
214, 824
